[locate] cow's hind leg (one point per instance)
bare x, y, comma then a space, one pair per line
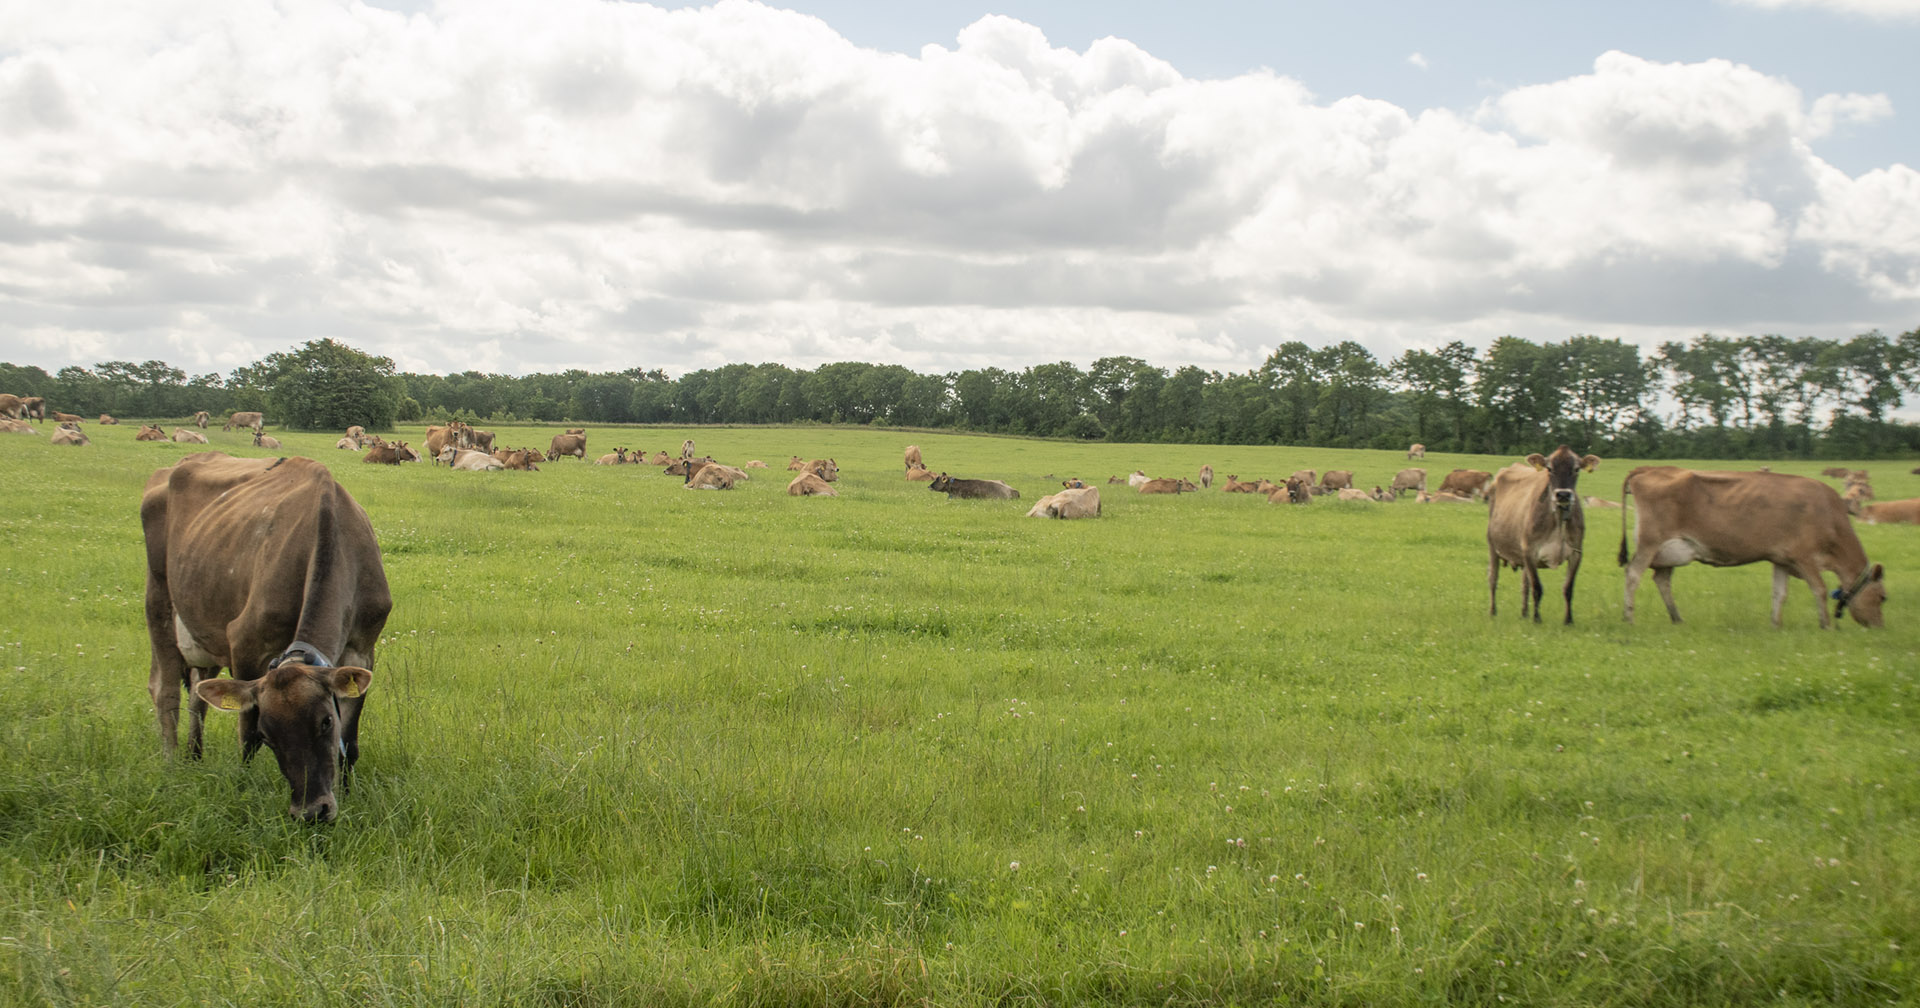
1493, 583
196, 709
1663, 580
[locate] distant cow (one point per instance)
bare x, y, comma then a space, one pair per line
1900, 512
686, 448
918, 475
809, 485
66, 418
150, 432
468, 460
1535, 523
10, 407
1726, 519
1206, 477
1307, 476
1337, 479
201, 419
384, 454
1409, 479
826, 468
659, 458
356, 431
1443, 497
33, 407
107, 421
65, 435
912, 456
265, 440
797, 464
1418, 451
184, 436
617, 457
1167, 486
1137, 477
568, 444
714, 476
978, 489
348, 444
1467, 483
1351, 494
1077, 502
269, 568
245, 420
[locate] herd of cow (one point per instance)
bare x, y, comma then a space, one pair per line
295, 614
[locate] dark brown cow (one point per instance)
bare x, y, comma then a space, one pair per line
1535, 522
912, 457
568, 444
973, 489
1726, 519
269, 568
245, 420
1467, 483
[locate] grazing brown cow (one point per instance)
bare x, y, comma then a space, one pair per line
1726, 519
1206, 477
918, 476
1337, 479
185, 436
1075, 502
201, 419
1535, 522
150, 432
1166, 485
265, 440
826, 468
1418, 451
568, 444
245, 420
1467, 483
912, 456
269, 568
108, 421
384, 454
1900, 512
1409, 479
809, 485
10, 407
68, 435
973, 489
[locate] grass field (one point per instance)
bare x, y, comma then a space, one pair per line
630, 744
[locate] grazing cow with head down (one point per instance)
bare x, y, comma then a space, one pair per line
245, 420
1074, 502
1535, 523
1467, 483
1409, 479
1726, 519
1418, 451
567, 444
973, 489
810, 485
269, 568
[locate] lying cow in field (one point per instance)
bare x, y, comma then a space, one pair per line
568, 444
714, 476
1296, 491
10, 408
1409, 479
1233, 485
1467, 483
384, 454
1351, 494
66, 435
150, 432
826, 468
809, 485
1166, 485
1307, 476
468, 460
1535, 522
348, 444
974, 489
66, 418
912, 457
617, 457
107, 421
269, 568
918, 476
265, 440
1900, 512
797, 464
1443, 497
1076, 502
11, 426
184, 436
1726, 519
1137, 477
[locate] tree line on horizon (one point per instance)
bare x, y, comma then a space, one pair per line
1709, 397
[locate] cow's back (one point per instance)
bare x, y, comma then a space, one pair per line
1734, 518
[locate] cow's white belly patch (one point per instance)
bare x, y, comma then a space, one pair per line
1676, 553
197, 656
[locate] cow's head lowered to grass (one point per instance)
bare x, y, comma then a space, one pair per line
294, 710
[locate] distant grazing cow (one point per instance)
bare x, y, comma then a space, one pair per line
686, 448
33, 407
201, 419
912, 456
65, 435
1206, 477
809, 485
468, 460
568, 444
1467, 483
1900, 512
1726, 519
265, 440
245, 420
826, 468
383, 454
150, 432
1337, 479
107, 421
1167, 486
184, 436
1409, 479
1535, 523
1137, 477
269, 568
1418, 451
977, 489
918, 475
618, 457
1075, 502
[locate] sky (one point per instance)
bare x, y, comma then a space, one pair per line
514, 187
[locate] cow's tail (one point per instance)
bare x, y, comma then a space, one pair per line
1626, 491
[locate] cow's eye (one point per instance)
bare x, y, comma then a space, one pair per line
326, 724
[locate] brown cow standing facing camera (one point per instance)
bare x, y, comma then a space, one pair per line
1535, 522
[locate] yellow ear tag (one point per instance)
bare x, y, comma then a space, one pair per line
351, 689
228, 701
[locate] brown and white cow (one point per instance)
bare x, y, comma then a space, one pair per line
1074, 502
810, 485
66, 434
1900, 512
185, 436
568, 444
245, 420
1727, 519
1418, 451
912, 458
265, 440
973, 489
1409, 479
1535, 522
269, 568
468, 460
150, 432
201, 418
1167, 485
1206, 477
1467, 483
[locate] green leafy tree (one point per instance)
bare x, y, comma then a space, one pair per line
327, 385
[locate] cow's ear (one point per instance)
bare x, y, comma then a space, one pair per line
228, 694
1590, 463
349, 681
1878, 573
1537, 460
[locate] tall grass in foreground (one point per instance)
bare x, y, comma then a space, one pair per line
633, 744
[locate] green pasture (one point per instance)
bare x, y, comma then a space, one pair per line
631, 744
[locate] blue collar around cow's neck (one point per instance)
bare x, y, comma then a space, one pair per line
302, 652
1842, 596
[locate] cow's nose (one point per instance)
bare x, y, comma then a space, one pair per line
321, 811
1563, 496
